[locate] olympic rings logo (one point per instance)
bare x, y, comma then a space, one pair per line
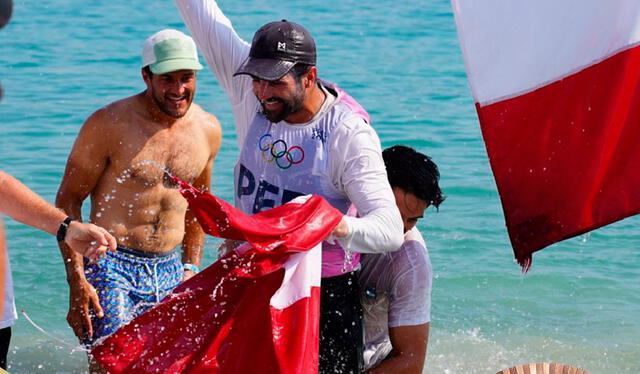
278, 151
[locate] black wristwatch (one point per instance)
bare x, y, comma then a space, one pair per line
62, 230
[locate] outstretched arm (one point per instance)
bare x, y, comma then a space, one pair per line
25, 206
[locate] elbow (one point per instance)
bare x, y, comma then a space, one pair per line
67, 203
395, 240
391, 233
61, 200
396, 232
392, 240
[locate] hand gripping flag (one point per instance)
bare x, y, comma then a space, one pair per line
557, 91
253, 310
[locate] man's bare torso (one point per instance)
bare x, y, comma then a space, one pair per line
133, 198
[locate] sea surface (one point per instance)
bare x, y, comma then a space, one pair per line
579, 305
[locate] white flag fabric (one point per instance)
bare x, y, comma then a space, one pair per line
556, 86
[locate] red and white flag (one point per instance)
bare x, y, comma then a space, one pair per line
557, 90
254, 310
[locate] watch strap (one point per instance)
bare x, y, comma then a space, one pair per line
62, 230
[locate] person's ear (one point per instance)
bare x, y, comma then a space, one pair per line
311, 76
146, 77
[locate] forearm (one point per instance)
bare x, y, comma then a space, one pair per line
220, 45
193, 242
25, 206
409, 350
363, 177
379, 231
73, 261
224, 52
400, 364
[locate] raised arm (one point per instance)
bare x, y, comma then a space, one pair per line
86, 163
224, 52
219, 43
25, 206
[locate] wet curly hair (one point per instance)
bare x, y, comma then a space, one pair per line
414, 172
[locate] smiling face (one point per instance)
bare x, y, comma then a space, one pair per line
411, 208
172, 92
280, 99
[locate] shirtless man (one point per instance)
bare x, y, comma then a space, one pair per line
119, 159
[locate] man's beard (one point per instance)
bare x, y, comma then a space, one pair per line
290, 106
163, 107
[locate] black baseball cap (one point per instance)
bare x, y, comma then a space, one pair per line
276, 48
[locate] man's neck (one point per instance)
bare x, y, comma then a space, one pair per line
154, 113
310, 107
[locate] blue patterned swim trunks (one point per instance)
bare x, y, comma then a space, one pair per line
129, 282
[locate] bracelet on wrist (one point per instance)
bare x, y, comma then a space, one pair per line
62, 230
190, 267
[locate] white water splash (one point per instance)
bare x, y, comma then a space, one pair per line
74, 347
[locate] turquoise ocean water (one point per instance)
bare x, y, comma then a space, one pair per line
580, 303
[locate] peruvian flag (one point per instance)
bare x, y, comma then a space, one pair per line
557, 90
254, 310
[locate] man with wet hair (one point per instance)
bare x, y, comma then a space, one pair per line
396, 286
301, 135
121, 159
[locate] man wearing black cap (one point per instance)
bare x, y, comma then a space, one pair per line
300, 135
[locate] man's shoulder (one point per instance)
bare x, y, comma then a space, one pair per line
205, 121
349, 124
414, 235
114, 112
202, 116
347, 110
413, 252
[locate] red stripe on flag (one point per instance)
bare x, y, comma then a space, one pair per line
298, 353
565, 156
221, 320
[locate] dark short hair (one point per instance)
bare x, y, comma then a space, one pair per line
414, 172
299, 70
148, 70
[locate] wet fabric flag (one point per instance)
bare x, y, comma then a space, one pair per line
557, 90
253, 310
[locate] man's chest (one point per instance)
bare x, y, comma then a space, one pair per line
279, 162
147, 160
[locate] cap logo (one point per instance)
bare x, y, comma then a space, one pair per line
282, 46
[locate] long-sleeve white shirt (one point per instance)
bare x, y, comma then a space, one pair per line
354, 168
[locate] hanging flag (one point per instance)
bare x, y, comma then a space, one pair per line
256, 308
556, 85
